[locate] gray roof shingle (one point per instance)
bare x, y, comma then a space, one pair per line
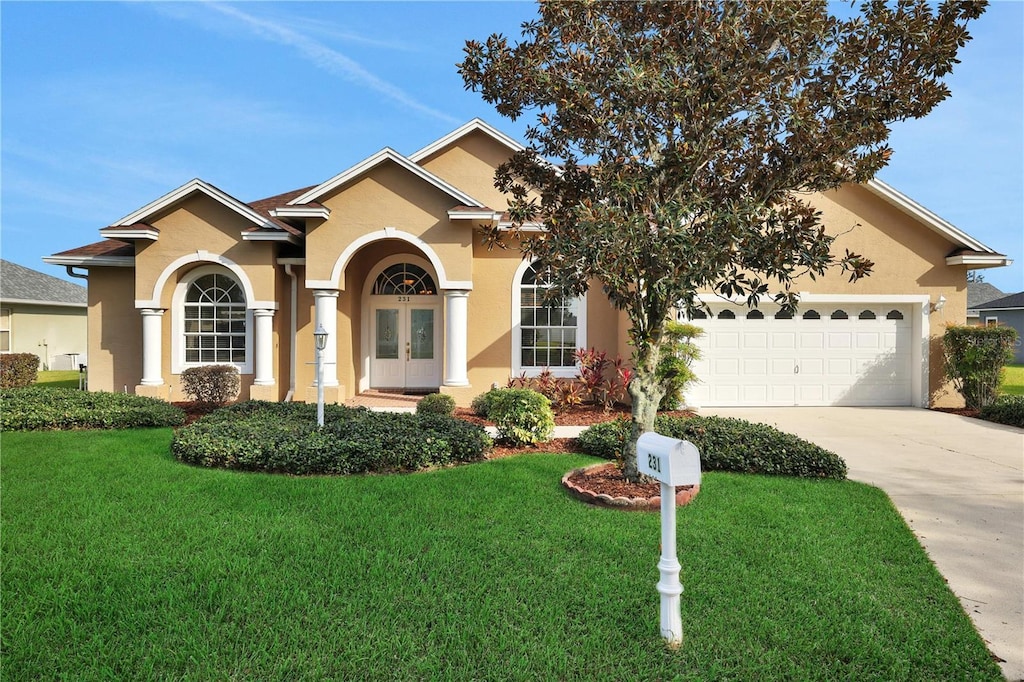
981, 292
18, 283
1011, 301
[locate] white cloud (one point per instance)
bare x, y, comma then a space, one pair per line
327, 59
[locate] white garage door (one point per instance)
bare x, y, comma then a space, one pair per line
824, 355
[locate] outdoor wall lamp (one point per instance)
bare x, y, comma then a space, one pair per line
939, 304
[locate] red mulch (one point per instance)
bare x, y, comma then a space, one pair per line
608, 479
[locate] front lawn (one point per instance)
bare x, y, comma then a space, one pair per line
1013, 380
58, 378
120, 563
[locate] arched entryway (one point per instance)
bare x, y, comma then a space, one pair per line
403, 324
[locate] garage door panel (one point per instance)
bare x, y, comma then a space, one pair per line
855, 361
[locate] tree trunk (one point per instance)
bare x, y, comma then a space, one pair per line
646, 392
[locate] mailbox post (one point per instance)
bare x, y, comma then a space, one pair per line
672, 462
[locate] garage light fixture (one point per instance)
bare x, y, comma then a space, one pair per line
939, 304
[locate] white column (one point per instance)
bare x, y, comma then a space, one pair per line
326, 301
264, 354
456, 325
152, 346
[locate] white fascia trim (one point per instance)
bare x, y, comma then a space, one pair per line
92, 261
195, 185
322, 212
151, 234
976, 261
474, 125
386, 154
916, 210
279, 236
26, 301
474, 215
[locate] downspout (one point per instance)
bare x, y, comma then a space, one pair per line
72, 273
294, 328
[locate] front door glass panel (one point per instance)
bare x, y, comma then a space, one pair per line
387, 334
421, 334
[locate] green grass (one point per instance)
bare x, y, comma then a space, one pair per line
120, 563
1013, 380
60, 378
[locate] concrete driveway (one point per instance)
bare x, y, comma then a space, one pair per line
958, 482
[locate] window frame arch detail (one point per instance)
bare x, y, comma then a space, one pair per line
518, 326
223, 303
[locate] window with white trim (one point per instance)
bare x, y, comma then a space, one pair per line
214, 321
547, 332
991, 321
5, 330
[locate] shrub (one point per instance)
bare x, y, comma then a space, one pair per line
211, 384
482, 404
54, 409
727, 444
436, 403
675, 369
974, 360
18, 370
284, 438
522, 416
1007, 409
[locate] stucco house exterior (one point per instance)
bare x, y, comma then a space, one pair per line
386, 255
43, 315
1007, 311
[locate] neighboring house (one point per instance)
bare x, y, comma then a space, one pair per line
978, 293
43, 315
1007, 311
387, 257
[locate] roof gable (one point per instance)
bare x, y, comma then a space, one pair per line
18, 283
981, 292
1013, 301
473, 126
368, 164
189, 188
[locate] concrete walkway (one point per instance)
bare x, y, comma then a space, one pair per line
958, 482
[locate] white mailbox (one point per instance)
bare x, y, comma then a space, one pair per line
669, 460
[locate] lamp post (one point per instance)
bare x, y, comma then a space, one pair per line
320, 335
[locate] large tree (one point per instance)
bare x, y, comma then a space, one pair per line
675, 144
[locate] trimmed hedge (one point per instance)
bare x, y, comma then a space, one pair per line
436, 403
727, 444
211, 384
18, 370
38, 408
522, 416
974, 360
1007, 409
284, 438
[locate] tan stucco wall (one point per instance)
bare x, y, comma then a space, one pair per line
201, 224
48, 331
469, 164
115, 331
389, 197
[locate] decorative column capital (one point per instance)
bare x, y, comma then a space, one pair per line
325, 293
263, 312
151, 312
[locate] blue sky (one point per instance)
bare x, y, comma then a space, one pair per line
107, 106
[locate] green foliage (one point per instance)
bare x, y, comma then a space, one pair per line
284, 438
975, 357
211, 384
1007, 409
727, 445
522, 416
675, 145
678, 353
436, 403
18, 370
41, 408
483, 403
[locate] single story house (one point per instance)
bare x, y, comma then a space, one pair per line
387, 258
978, 293
1007, 311
43, 315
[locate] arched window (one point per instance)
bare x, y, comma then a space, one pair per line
866, 315
726, 315
811, 315
894, 315
840, 315
755, 315
404, 279
548, 331
214, 321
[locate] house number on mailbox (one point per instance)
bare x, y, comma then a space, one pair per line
654, 462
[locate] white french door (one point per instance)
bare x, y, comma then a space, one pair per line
405, 344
